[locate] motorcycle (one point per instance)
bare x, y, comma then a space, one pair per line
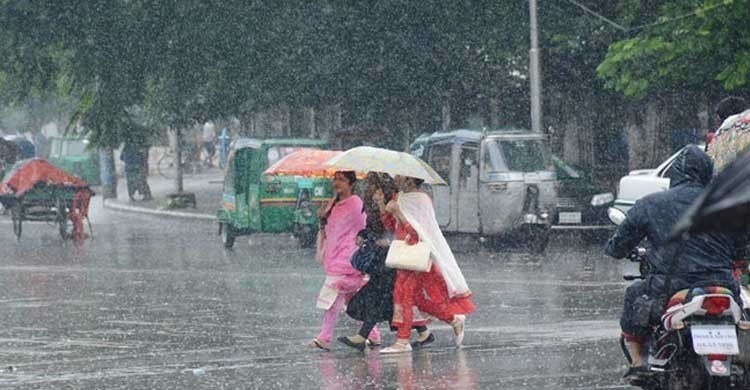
702, 339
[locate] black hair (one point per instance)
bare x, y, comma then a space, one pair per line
729, 106
350, 176
418, 182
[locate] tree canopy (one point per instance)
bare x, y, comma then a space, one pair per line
176, 62
690, 44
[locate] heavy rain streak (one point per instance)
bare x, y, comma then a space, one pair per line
374, 195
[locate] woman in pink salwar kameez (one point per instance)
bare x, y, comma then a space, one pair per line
341, 220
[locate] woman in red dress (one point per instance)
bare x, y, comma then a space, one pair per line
442, 291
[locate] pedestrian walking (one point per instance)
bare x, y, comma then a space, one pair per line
209, 142
374, 302
441, 291
342, 219
135, 156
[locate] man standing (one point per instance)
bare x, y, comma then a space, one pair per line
135, 157
209, 141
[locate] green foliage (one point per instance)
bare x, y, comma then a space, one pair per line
692, 45
132, 67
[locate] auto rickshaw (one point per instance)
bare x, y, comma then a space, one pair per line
73, 156
499, 182
253, 202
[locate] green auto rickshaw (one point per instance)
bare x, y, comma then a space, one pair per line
254, 202
74, 156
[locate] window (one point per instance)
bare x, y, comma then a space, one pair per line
276, 153
440, 160
515, 156
469, 166
75, 147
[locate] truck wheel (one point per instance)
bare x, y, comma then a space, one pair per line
227, 236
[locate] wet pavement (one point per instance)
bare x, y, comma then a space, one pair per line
158, 304
206, 186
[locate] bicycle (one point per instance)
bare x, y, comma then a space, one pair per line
167, 164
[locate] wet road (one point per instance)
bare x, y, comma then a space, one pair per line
158, 304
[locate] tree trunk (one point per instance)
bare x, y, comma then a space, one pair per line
446, 113
178, 161
108, 173
311, 128
494, 113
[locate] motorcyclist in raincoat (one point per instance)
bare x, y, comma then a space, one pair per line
702, 260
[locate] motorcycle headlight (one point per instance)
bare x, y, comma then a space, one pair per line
602, 199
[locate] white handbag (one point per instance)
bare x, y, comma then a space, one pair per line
409, 257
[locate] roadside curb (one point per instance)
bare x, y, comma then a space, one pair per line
110, 204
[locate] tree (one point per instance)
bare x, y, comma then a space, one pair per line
693, 45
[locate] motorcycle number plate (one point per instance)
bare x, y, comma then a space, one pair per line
570, 217
715, 339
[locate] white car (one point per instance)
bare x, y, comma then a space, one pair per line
642, 182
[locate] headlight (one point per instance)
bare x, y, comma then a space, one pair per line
602, 199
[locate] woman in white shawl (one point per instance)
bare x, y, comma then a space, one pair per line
442, 291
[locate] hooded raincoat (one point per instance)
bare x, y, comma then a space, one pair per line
701, 260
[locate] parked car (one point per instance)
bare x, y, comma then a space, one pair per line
581, 203
641, 182
73, 156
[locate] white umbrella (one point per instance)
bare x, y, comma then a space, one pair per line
369, 159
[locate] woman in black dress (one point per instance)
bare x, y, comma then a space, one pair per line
374, 302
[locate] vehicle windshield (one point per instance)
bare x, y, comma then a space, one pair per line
75, 147
564, 171
515, 156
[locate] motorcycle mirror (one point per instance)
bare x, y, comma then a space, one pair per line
616, 215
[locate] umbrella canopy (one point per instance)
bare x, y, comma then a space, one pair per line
731, 141
724, 205
370, 159
305, 162
29, 173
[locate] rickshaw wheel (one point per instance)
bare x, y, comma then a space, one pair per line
165, 165
227, 236
16, 215
307, 239
62, 218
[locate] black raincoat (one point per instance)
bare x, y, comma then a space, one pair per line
703, 259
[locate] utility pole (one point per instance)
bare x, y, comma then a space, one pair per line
534, 73
178, 163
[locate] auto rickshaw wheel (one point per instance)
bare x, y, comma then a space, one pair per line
307, 238
227, 235
16, 214
536, 239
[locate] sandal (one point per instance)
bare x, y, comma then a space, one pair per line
637, 376
315, 343
458, 325
358, 346
419, 344
374, 343
396, 348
